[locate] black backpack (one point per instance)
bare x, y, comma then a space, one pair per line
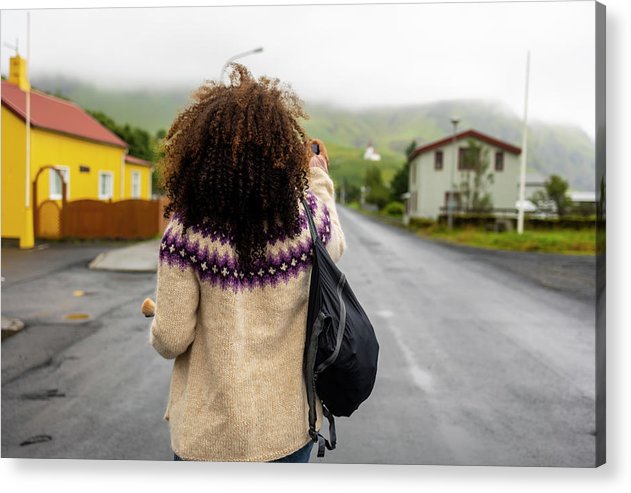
341, 350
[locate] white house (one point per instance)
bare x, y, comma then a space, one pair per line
432, 165
371, 154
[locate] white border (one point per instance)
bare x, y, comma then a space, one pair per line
106, 476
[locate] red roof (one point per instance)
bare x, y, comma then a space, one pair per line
137, 160
56, 114
465, 135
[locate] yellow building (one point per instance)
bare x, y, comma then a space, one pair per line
91, 161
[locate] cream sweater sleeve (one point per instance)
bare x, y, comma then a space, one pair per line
321, 185
177, 297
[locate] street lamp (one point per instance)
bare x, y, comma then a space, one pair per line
524, 149
240, 55
454, 121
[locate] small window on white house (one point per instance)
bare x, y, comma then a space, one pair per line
135, 184
55, 182
106, 185
438, 160
499, 161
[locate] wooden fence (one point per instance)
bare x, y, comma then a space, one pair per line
132, 219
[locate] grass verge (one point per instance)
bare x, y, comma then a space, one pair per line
569, 242
561, 241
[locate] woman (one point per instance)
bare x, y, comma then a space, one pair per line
233, 276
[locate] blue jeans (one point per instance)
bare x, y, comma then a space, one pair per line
300, 455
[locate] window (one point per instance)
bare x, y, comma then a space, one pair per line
55, 182
499, 161
467, 158
106, 185
135, 184
438, 160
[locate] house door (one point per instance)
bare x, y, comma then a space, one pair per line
457, 204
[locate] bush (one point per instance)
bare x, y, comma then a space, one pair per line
421, 222
565, 222
394, 209
478, 219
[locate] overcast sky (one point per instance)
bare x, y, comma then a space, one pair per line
355, 56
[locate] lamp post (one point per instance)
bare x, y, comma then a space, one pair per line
524, 148
235, 57
454, 121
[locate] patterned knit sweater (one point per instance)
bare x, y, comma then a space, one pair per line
237, 391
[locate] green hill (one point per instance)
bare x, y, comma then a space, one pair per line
564, 150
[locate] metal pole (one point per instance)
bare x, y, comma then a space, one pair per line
240, 55
450, 200
28, 113
27, 238
524, 143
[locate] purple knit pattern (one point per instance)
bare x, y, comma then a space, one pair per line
222, 269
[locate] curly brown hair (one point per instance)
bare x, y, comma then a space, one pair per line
236, 160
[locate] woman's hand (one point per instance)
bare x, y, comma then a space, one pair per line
148, 307
323, 152
319, 160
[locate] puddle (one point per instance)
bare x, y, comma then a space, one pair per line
77, 316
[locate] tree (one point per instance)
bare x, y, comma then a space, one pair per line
141, 143
555, 193
352, 192
378, 193
477, 178
157, 182
400, 181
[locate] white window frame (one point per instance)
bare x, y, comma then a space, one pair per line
136, 182
65, 171
111, 195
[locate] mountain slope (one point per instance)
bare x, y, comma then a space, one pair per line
564, 150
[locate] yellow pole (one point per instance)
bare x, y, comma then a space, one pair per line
27, 240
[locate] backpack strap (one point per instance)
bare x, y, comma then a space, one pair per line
309, 372
323, 442
309, 363
310, 380
312, 228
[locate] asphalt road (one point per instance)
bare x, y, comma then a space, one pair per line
480, 363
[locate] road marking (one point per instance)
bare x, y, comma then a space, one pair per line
421, 378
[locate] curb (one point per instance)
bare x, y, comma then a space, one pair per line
141, 257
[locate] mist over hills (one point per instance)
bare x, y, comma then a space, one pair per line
552, 148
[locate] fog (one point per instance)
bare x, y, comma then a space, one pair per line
348, 55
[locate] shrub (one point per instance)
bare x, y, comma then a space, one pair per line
421, 222
394, 209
